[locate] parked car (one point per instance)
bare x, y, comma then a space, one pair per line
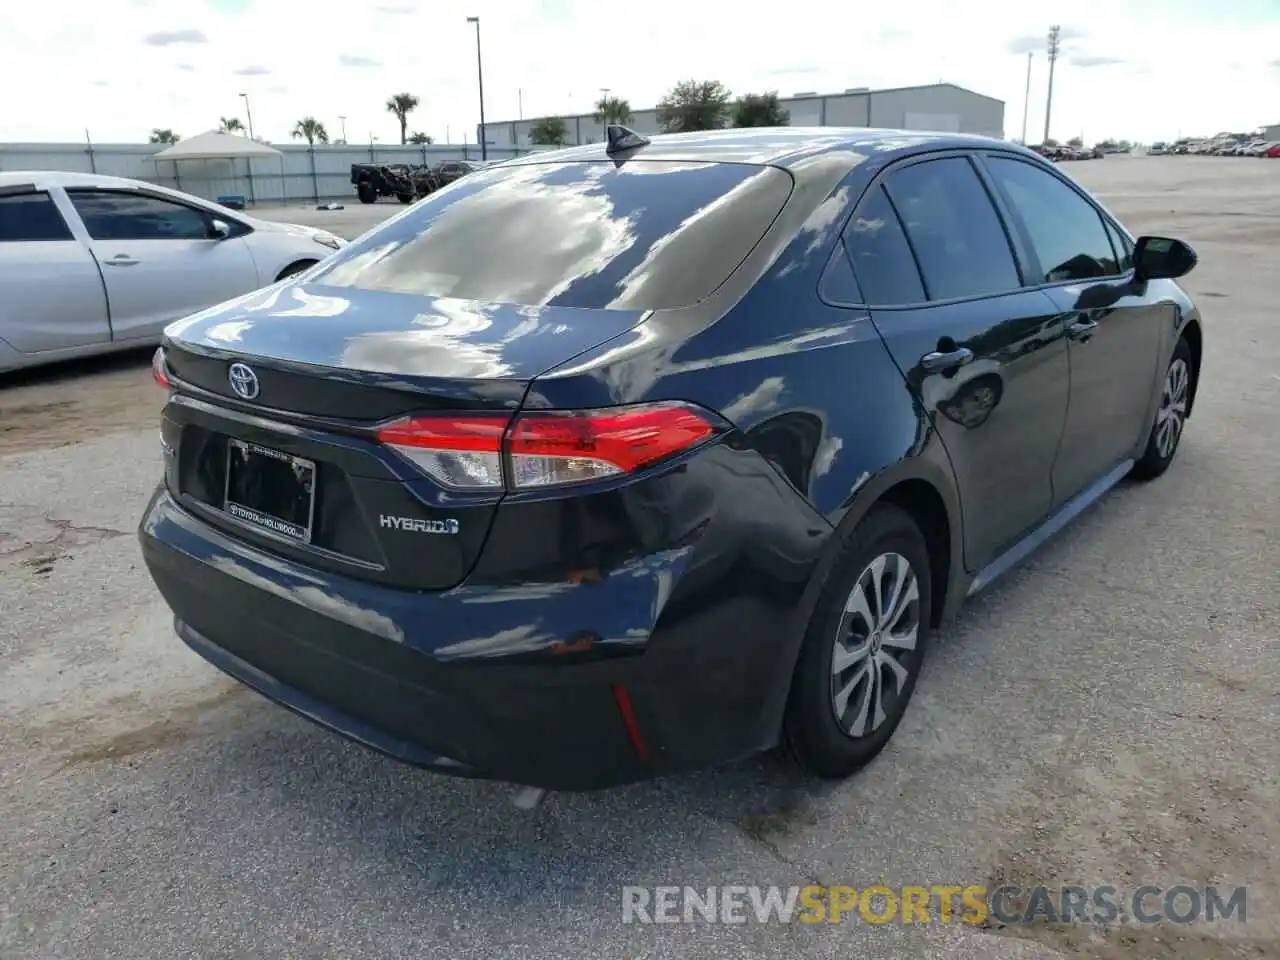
404, 182
452, 170
90, 263
641, 456
374, 180
1273, 150
1157, 150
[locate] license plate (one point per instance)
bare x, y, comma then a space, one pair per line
269, 489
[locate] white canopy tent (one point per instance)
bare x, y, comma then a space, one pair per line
214, 145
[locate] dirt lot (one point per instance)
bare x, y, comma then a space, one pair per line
1107, 715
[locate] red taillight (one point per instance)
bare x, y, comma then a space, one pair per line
158, 372
547, 449
461, 452
551, 448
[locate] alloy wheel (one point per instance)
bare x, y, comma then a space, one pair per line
1173, 408
874, 644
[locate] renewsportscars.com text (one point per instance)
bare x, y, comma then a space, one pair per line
937, 903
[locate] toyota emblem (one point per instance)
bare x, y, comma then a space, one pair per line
244, 382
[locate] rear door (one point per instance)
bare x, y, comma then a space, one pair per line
1114, 327
986, 357
159, 258
51, 293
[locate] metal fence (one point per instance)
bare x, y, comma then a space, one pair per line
300, 173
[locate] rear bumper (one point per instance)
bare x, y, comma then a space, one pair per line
475, 681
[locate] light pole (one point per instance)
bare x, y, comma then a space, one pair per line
248, 114
343, 120
1055, 33
484, 139
1026, 99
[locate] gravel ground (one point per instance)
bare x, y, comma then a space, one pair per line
1107, 714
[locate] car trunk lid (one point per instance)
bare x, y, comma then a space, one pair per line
294, 462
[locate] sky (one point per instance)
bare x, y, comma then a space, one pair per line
1138, 69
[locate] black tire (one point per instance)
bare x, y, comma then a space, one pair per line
1159, 452
405, 197
366, 193
295, 268
816, 739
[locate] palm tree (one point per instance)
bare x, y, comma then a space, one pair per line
164, 135
612, 110
230, 125
421, 138
402, 104
311, 130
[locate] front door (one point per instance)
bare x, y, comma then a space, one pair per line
1114, 326
986, 358
159, 259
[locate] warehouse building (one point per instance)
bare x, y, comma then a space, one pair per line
941, 107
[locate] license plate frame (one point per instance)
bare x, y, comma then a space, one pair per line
260, 517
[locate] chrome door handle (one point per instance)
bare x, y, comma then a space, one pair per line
123, 260
1082, 329
943, 361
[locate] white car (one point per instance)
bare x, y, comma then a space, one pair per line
90, 263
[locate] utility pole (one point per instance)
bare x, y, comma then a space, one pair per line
1026, 99
248, 114
484, 135
520, 100
1055, 33
343, 120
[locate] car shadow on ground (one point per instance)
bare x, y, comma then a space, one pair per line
77, 369
426, 832
764, 801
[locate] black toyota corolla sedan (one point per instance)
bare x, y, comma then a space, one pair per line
635, 457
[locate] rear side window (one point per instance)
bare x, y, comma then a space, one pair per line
28, 217
645, 235
1122, 245
882, 259
1065, 230
122, 215
954, 230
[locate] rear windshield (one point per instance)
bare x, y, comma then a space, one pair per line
646, 235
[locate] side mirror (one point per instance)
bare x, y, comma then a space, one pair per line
219, 230
1161, 258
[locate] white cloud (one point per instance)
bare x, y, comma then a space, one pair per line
166, 38
357, 60
184, 61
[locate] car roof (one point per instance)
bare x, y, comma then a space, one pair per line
787, 147
66, 178
70, 179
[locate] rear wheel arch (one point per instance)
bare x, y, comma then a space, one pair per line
925, 505
1195, 341
920, 488
296, 267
